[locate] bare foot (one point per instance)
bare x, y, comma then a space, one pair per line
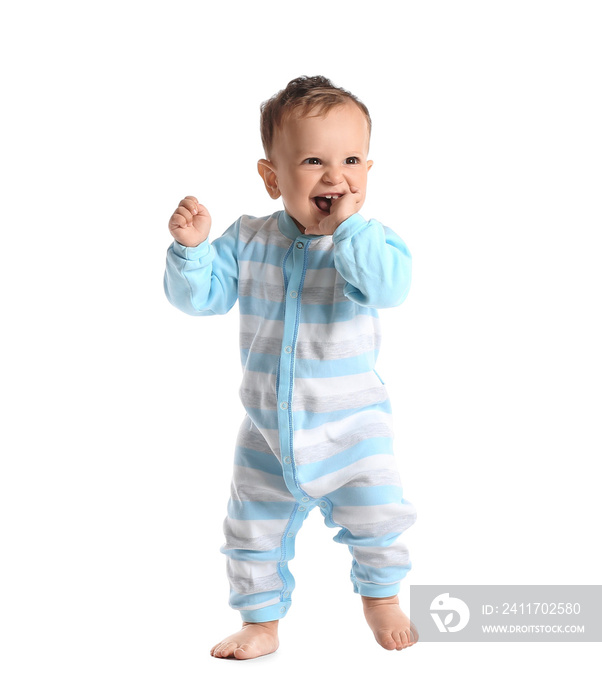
253, 640
392, 628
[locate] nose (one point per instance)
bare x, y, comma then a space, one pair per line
333, 175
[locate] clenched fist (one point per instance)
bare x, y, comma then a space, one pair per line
190, 223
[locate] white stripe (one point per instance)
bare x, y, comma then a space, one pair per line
331, 432
395, 554
272, 601
325, 277
362, 324
260, 271
327, 387
269, 329
260, 382
251, 569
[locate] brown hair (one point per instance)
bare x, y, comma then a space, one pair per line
303, 95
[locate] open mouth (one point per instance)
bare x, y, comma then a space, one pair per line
324, 203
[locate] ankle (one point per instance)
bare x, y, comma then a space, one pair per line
376, 602
270, 625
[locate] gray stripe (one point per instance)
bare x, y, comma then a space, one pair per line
340, 402
381, 557
259, 494
258, 399
258, 544
266, 346
261, 290
358, 345
323, 295
262, 230
311, 349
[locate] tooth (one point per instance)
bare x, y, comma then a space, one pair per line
327, 196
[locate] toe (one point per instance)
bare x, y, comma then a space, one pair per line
405, 638
243, 651
225, 650
386, 640
398, 639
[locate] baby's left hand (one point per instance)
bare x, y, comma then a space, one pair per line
340, 210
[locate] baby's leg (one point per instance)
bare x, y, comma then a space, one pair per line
253, 640
263, 519
371, 512
392, 628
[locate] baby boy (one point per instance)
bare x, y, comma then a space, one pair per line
318, 429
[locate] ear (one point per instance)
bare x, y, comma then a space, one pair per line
370, 163
268, 175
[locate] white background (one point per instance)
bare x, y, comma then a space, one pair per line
120, 413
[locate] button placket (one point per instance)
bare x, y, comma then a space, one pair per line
293, 278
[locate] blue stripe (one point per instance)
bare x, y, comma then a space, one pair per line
261, 461
260, 510
342, 367
330, 313
366, 495
259, 361
267, 419
345, 537
338, 312
268, 310
386, 575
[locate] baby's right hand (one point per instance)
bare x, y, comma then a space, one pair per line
190, 223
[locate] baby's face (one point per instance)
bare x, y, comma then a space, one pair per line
315, 159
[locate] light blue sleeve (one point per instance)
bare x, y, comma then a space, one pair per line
203, 281
374, 262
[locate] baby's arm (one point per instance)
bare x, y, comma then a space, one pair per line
374, 262
200, 279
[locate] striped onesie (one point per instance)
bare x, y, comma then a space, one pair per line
318, 428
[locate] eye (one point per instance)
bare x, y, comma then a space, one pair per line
312, 161
352, 160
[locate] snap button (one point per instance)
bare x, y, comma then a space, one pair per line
299, 245
284, 405
302, 508
305, 499
294, 295
287, 460
288, 349
291, 534
323, 504
282, 610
